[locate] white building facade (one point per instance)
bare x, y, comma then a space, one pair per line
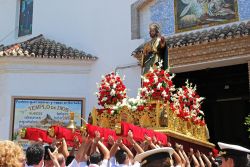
101, 28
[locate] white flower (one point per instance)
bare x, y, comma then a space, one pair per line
151, 69
104, 99
134, 108
107, 84
201, 112
160, 63
115, 107
159, 86
144, 89
156, 78
164, 94
112, 92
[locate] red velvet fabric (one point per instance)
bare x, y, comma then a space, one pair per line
104, 132
161, 137
35, 134
67, 134
139, 133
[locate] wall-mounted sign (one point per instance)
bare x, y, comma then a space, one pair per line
43, 112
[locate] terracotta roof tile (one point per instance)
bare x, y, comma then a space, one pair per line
44, 48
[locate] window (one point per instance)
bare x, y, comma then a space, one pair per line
25, 18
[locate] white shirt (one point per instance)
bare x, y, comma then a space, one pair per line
113, 163
74, 163
104, 163
136, 164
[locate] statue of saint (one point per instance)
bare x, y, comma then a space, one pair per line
155, 50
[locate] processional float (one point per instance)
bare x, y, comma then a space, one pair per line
162, 111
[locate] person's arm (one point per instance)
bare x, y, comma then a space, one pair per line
95, 143
205, 158
104, 150
75, 146
125, 148
212, 160
144, 145
185, 156
198, 155
82, 149
64, 149
135, 145
111, 141
177, 158
194, 159
179, 152
113, 149
53, 157
150, 142
162, 41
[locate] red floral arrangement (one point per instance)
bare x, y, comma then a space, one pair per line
187, 104
157, 84
111, 90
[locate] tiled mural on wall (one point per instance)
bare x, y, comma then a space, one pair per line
191, 15
244, 12
162, 12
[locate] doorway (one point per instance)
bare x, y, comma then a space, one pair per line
226, 90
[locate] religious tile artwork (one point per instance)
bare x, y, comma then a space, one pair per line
161, 14
25, 18
195, 14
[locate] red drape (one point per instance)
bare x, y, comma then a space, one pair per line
140, 132
35, 134
67, 134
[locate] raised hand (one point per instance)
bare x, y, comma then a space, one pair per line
130, 136
53, 157
111, 140
97, 137
76, 142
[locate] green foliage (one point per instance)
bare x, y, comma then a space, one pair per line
247, 122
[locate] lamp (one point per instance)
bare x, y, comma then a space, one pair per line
72, 125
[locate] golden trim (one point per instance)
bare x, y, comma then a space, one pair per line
118, 128
22, 132
184, 137
83, 128
94, 116
51, 132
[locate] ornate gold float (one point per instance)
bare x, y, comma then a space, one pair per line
158, 116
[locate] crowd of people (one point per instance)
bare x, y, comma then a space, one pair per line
92, 152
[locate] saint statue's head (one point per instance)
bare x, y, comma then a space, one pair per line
154, 30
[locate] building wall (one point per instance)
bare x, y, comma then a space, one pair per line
42, 78
101, 28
